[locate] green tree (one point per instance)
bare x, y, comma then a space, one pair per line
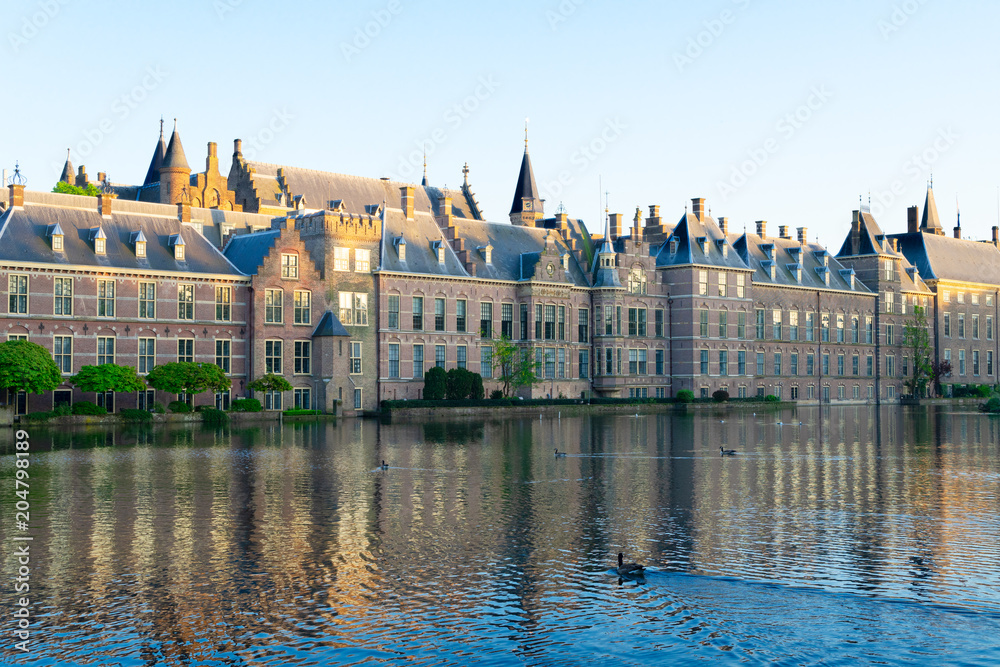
514, 366
459, 384
269, 382
916, 339
185, 377
435, 384
65, 188
108, 377
27, 367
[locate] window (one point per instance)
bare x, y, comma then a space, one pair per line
810, 327
550, 363
856, 365
185, 302
810, 364
961, 297
794, 363
302, 302
741, 362
741, 325
63, 293
989, 327
760, 363
289, 266
637, 281
393, 360
272, 400
57, 244
346, 303
147, 300
272, 357
440, 355
486, 362
947, 325
618, 320
840, 365
185, 350
975, 362
825, 364
561, 323
869, 331
890, 334
870, 365
609, 364
550, 322
507, 319
704, 362
776, 324
522, 312
223, 304
18, 295
947, 296
703, 283
223, 400
360, 309
777, 363
62, 353
303, 399
961, 362
105, 298
356, 357
889, 303
723, 362
584, 363
824, 327
658, 361
741, 286
583, 322
362, 261
722, 283
341, 259
840, 329
633, 362
147, 400
462, 356
855, 329
989, 362
461, 307
890, 365
486, 319
793, 325
703, 323
223, 354
418, 313
393, 308
147, 354
357, 399
439, 314
302, 356
274, 306
961, 325
658, 323
609, 320
975, 327
418, 361
562, 363
723, 324
105, 350
989, 299
633, 321
760, 323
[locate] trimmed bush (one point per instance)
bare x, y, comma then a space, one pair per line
246, 405
435, 384
88, 408
298, 412
178, 407
477, 393
214, 416
496, 395
64, 410
134, 415
720, 396
992, 405
459, 384
771, 398
38, 416
159, 409
685, 396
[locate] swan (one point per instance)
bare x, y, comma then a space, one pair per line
629, 569
559, 454
384, 466
726, 452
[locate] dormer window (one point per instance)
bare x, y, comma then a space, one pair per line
400, 244
487, 252
703, 244
770, 268
848, 276
139, 241
723, 247
100, 241
824, 274
796, 270
673, 245
177, 241
822, 257
438, 248
57, 238
565, 262
768, 250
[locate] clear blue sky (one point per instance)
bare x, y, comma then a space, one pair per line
672, 99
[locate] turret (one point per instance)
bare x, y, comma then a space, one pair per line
527, 207
175, 174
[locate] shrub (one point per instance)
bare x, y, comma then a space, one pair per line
459, 384
984, 391
214, 416
178, 407
992, 405
159, 409
720, 396
246, 405
771, 398
38, 416
297, 412
477, 393
435, 384
62, 410
88, 408
496, 395
685, 396
134, 415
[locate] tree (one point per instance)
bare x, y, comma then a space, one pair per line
514, 366
108, 377
435, 384
27, 367
269, 382
916, 339
940, 369
459, 384
185, 377
65, 188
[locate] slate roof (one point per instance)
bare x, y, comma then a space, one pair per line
247, 251
420, 233
153, 173
872, 240
717, 249
930, 220
67, 172
788, 253
329, 325
946, 258
526, 187
24, 239
174, 157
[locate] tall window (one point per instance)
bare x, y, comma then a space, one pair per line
273, 357
633, 321
961, 362
723, 324
302, 302
274, 306
439, 314
360, 309
302, 357
777, 363
418, 313
440, 355
561, 323
890, 338
393, 308
961, 325
609, 320
185, 302
418, 361
989, 327
810, 327
722, 283
637, 281
362, 260
341, 259
659, 362
947, 325
62, 353
760, 323
550, 322
723, 363
760, 363
584, 364
583, 325
869, 330
523, 322
855, 329
147, 300
741, 287
703, 283
63, 293
507, 320
975, 362
289, 266
633, 362
462, 356
486, 362
741, 361
741, 325
346, 300
18, 295
185, 350
989, 362
486, 319
223, 354
105, 298
393, 360
105, 350
658, 323
642, 361
840, 329
703, 323
147, 354
303, 399
975, 327
703, 362
793, 325
461, 314
776, 324
824, 327
355, 357
223, 304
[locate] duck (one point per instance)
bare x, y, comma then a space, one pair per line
384, 466
727, 452
629, 569
559, 454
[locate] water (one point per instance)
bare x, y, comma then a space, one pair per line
854, 538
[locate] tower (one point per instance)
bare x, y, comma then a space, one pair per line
930, 222
67, 172
153, 173
527, 207
175, 174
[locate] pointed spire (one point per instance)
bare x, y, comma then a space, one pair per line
67, 172
525, 135
153, 173
526, 191
174, 156
424, 182
930, 221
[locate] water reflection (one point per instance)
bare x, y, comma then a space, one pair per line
285, 545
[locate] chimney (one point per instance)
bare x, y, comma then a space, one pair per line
654, 211
237, 148
783, 232
996, 236
104, 204
803, 235
16, 195
724, 225
184, 211
698, 207
912, 220
958, 232
894, 244
408, 197
616, 225
102, 176
81, 177
212, 161
762, 228
856, 233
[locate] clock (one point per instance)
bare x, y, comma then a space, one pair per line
527, 206
550, 269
